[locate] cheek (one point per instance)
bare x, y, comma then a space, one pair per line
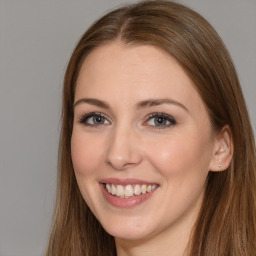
85, 153
85, 157
179, 154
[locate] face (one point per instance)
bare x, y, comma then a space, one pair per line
141, 143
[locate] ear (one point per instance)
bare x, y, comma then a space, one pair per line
223, 150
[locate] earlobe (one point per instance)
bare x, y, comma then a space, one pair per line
222, 151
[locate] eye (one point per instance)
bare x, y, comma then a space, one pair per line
94, 119
160, 120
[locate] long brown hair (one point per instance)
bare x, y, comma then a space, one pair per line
226, 224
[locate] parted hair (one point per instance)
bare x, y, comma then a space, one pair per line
226, 225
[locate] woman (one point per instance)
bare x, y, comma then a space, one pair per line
157, 154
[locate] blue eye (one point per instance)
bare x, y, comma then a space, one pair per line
160, 120
94, 119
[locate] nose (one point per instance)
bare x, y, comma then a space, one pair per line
123, 149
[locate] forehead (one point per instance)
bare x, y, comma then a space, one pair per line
119, 73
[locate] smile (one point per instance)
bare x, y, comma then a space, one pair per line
129, 190
127, 193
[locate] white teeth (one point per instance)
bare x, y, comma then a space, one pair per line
137, 190
154, 187
129, 190
149, 188
113, 190
143, 189
119, 190
108, 187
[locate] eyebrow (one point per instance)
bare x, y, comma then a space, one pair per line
91, 101
139, 105
157, 102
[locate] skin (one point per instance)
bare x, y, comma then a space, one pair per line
128, 144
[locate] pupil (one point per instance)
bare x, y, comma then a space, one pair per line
98, 119
160, 121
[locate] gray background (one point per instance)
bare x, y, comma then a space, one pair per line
36, 40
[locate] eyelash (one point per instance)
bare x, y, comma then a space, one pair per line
163, 116
166, 118
84, 119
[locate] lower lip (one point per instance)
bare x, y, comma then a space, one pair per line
125, 202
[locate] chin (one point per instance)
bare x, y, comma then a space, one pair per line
129, 234
128, 229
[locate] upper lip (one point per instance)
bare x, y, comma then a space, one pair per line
124, 182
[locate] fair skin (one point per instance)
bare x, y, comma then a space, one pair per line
125, 142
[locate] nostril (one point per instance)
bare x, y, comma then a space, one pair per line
122, 151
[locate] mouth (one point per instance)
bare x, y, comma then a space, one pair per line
127, 193
130, 190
